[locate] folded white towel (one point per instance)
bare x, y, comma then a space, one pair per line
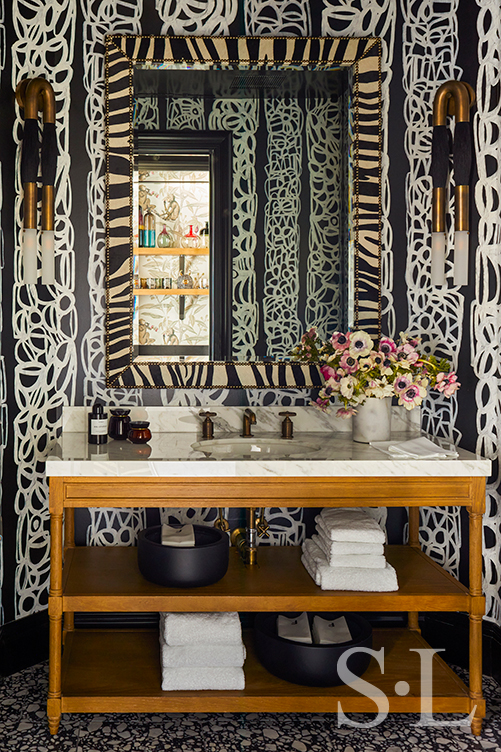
200, 628
183, 537
339, 548
296, 629
416, 449
187, 656
352, 525
350, 560
226, 677
346, 578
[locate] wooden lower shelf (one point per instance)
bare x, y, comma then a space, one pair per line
108, 579
119, 671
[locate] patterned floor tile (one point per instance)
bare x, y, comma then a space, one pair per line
23, 725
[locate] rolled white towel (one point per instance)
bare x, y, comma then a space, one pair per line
365, 561
226, 677
354, 525
203, 656
200, 628
346, 578
339, 548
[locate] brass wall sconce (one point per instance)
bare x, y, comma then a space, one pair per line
34, 95
453, 98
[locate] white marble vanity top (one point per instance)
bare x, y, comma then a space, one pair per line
171, 455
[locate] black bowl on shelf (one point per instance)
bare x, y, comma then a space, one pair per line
310, 665
175, 566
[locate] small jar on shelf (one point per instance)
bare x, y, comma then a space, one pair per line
164, 239
191, 239
149, 229
204, 236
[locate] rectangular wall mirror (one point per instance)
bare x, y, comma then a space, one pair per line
286, 132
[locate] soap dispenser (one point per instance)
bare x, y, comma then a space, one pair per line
98, 425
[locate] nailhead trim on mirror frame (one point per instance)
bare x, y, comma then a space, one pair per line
122, 52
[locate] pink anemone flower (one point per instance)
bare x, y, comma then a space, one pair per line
447, 383
340, 341
387, 345
402, 383
345, 412
412, 396
348, 363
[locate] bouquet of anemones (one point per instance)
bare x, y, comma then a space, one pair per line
355, 369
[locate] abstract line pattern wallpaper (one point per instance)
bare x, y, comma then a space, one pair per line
486, 310
57, 354
436, 311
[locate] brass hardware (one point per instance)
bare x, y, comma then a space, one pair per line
438, 210
36, 95
30, 206
245, 538
461, 216
262, 526
287, 426
453, 98
207, 425
47, 207
249, 419
221, 522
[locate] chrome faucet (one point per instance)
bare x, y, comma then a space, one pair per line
249, 420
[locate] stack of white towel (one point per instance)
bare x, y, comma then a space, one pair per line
201, 651
347, 552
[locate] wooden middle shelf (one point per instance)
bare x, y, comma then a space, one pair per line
174, 291
171, 251
119, 671
108, 579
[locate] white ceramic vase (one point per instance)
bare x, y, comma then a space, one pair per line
372, 421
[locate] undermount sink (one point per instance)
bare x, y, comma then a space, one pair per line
256, 446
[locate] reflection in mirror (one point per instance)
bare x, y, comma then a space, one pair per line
303, 243
171, 257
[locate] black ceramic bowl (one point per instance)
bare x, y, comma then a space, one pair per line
310, 665
175, 566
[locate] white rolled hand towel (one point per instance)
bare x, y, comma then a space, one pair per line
339, 548
203, 656
194, 678
346, 578
354, 525
200, 628
366, 561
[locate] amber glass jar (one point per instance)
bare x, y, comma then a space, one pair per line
139, 433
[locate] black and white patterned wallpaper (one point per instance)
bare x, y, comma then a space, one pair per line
53, 339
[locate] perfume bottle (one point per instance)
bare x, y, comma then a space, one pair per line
140, 240
204, 236
149, 229
98, 425
191, 239
164, 239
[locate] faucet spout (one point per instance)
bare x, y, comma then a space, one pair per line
249, 419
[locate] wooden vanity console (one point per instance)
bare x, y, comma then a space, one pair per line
119, 671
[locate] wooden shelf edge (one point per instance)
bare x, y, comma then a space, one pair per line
263, 692
171, 251
172, 291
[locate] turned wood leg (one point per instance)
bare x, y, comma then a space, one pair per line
413, 512
55, 621
69, 542
477, 605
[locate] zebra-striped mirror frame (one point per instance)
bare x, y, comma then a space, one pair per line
123, 51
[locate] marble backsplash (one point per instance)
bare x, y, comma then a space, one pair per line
230, 419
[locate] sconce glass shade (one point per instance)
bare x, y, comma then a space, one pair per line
48, 273
29, 253
438, 258
461, 257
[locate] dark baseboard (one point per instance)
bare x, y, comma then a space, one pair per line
24, 643
451, 630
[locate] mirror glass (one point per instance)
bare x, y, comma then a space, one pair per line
301, 248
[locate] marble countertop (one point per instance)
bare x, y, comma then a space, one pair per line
172, 455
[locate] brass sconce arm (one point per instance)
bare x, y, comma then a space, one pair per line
35, 95
453, 98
